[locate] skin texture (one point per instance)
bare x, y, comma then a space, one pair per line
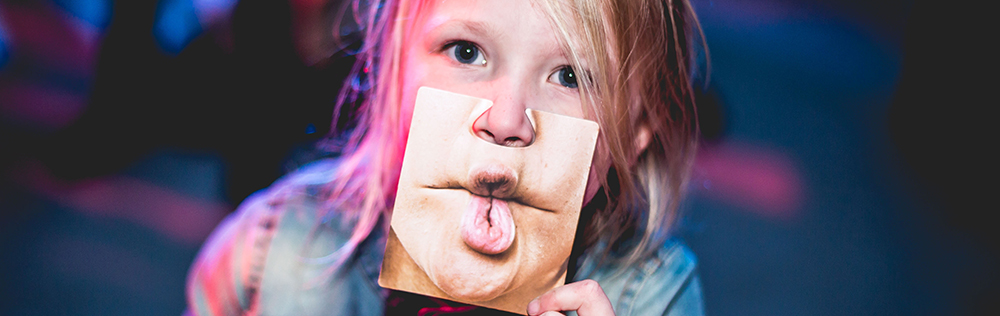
519, 69
585, 297
442, 182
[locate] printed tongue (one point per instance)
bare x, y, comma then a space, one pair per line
487, 225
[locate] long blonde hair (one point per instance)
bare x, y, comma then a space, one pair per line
641, 55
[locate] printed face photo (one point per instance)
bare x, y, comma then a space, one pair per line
481, 223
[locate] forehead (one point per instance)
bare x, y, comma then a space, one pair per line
438, 11
523, 22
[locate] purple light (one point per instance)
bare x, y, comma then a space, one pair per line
210, 11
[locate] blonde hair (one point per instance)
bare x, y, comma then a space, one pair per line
640, 55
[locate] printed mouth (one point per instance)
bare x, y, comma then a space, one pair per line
487, 225
492, 180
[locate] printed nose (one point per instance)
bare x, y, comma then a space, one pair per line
505, 123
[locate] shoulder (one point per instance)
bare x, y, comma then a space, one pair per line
227, 274
663, 284
291, 203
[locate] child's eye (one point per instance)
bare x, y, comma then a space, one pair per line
466, 53
565, 77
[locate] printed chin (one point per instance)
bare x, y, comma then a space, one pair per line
471, 276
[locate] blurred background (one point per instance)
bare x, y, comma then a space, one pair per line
842, 172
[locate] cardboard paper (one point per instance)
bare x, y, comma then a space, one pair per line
480, 223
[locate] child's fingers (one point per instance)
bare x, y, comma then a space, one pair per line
585, 297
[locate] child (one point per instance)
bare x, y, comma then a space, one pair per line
312, 243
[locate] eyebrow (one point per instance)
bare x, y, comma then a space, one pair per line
478, 28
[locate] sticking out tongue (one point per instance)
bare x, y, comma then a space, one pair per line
487, 225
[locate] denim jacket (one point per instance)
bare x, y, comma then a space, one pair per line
255, 264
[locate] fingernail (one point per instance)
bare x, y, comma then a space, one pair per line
533, 307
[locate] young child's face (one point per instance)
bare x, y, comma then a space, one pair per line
500, 50
507, 52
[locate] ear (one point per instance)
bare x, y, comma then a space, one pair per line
643, 135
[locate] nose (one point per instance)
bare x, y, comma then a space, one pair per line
506, 123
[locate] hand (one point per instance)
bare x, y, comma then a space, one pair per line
585, 297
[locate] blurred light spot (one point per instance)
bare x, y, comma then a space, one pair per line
310, 129
40, 107
763, 181
177, 216
790, 40
214, 5
210, 11
95, 12
176, 25
4, 55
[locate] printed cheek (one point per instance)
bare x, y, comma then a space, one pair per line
599, 167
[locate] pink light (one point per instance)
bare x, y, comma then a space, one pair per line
42, 107
176, 216
50, 37
763, 181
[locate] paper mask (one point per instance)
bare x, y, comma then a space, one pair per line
479, 223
